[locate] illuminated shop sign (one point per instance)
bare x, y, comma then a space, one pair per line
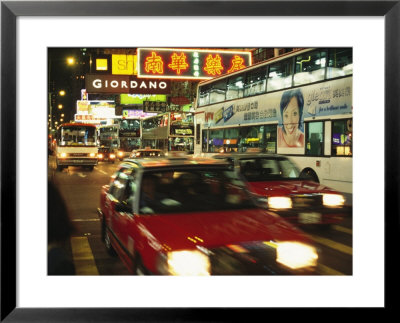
125, 84
189, 63
126, 99
124, 64
137, 114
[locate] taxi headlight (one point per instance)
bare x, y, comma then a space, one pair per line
63, 155
112, 156
92, 155
100, 155
120, 153
333, 199
296, 255
279, 202
188, 263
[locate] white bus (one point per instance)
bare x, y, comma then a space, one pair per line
299, 105
76, 145
171, 131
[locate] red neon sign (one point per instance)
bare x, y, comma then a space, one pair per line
185, 63
213, 65
178, 62
154, 64
237, 64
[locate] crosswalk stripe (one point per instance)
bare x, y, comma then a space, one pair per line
325, 270
332, 244
342, 229
83, 256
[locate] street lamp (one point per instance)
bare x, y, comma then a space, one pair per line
62, 92
60, 106
70, 60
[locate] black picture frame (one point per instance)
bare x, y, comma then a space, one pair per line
10, 10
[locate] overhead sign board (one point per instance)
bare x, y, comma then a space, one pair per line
199, 64
96, 83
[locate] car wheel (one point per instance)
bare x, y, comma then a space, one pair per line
107, 241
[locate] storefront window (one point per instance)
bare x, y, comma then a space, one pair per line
315, 138
342, 137
310, 67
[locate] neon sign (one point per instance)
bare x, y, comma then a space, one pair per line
181, 63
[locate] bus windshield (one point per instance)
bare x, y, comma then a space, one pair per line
77, 136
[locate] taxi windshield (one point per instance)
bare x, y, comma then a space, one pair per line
268, 169
192, 190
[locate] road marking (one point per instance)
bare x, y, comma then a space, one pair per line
342, 229
83, 257
102, 171
332, 244
325, 270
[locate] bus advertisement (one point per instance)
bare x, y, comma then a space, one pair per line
76, 145
298, 105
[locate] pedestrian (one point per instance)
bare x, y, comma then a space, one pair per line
60, 228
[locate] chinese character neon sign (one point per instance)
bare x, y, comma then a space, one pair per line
154, 64
178, 62
182, 63
237, 64
213, 65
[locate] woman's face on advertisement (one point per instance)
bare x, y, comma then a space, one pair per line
291, 116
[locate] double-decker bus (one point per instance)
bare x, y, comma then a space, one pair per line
129, 136
299, 104
76, 145
108, 136
171, 131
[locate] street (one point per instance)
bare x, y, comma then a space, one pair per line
80, 188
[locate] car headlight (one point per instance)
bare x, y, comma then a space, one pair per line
62, 155
187, 263
296, 255
120, 153
92, 155
100, 155
333, 199
112, 156
279, 202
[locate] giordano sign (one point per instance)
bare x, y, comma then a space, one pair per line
96, 83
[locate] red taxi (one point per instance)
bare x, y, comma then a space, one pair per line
190, 216
276, 180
